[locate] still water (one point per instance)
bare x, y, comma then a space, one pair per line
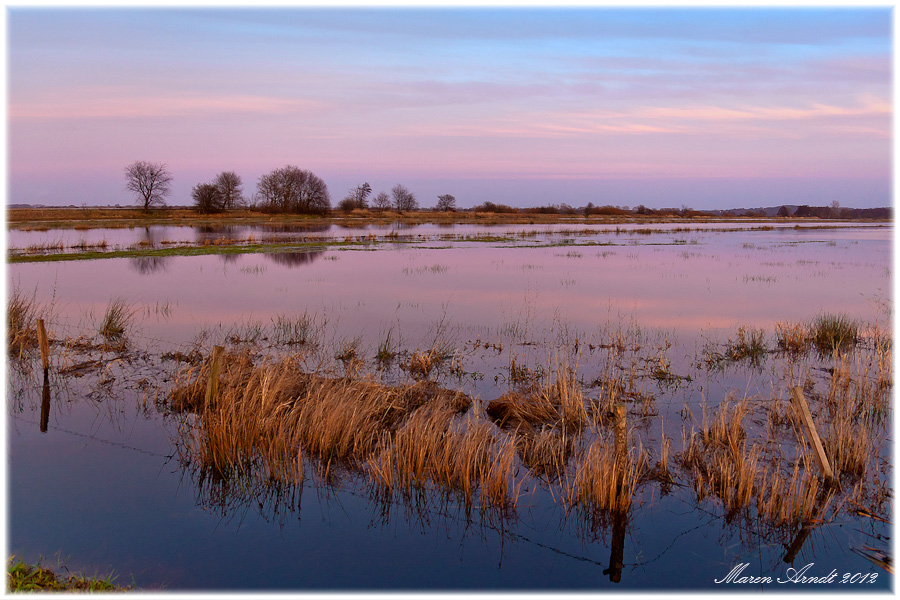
104, 489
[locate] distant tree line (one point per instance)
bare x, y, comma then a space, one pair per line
290, 189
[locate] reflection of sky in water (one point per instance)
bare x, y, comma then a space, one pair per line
723, 281
123, 237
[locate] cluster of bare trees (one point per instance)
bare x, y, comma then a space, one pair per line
400, 199
287, 189
223, 193
291, 189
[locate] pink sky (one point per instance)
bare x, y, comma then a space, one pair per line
786, 104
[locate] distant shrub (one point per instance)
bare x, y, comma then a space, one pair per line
495, 208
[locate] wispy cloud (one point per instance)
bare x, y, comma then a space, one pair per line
95, 106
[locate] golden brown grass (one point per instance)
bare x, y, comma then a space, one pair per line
266, 417
783, 501
792, 337
561, 402
603, 481
719, 458
21, 319
545, 451
464, 458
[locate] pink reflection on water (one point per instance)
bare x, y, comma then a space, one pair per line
711, 281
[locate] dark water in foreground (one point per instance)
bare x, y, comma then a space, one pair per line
103, 488
105, 496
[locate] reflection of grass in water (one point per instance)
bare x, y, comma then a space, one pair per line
435, 269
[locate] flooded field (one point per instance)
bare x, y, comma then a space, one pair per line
528, 407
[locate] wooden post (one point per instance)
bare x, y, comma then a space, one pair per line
44, 344
212, 386
809, 428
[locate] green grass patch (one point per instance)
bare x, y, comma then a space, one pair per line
21, 577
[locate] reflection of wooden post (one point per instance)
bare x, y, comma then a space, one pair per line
617, 552
45, 404
797, 544
44, 343
809, 427
212, 386
800, 538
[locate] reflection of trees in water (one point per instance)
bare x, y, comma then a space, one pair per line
205, 233
149, 236
146, 265
292, 228
229, 258
295, 259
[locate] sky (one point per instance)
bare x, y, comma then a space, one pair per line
527, 106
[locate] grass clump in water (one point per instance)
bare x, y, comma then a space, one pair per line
604, 481
21, 316
832, 333
792, 338
749, 344
116, 319
292, 331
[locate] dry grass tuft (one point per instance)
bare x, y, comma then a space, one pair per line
833, 333
604, 481
560, 403
719, 459
21, 317
793, 338
267, 417
116, 319
783, 501
465, 458
545, 451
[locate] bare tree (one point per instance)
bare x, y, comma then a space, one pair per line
208, 198
230, 185
291, 189
356, 198
404, 200
150, 183
446, 203
381, 201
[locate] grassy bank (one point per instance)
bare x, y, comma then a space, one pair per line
90, 218
21, 577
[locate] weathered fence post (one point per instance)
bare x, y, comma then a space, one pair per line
44, 344
809, 427
212, 386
